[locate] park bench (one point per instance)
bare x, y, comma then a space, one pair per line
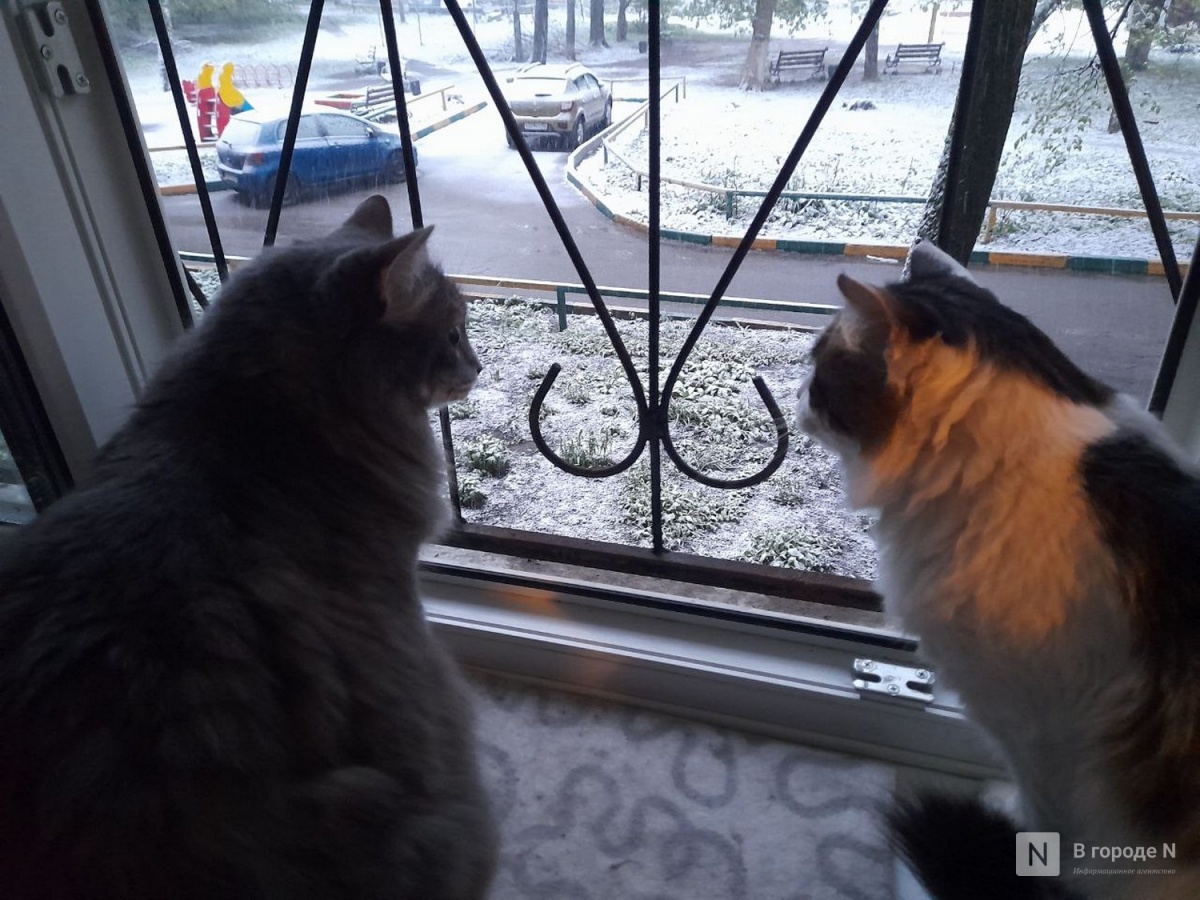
811, 61
379, 103
928, 55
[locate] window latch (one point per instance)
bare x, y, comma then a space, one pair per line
879, 680
52, 47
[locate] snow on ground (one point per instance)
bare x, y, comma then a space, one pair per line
729, 138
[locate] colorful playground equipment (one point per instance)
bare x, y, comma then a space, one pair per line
214, 105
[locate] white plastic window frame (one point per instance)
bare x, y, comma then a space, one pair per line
94, 316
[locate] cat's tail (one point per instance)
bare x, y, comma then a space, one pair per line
961, 850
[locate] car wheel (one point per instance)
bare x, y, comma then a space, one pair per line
578, 134
393, 169
291, 193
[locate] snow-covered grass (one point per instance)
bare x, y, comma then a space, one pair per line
718, 424
886, 138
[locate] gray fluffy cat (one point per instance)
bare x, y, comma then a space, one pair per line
216, 680
1042, 537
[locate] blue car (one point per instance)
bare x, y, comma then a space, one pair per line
331, 147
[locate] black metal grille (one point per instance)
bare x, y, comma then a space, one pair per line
652, 399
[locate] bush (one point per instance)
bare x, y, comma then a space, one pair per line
802, 547
590, 451
488, 455
470, 492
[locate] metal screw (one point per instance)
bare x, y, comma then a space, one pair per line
46, 51
868, 665
893, 688
60, 16
82, 80
922, 675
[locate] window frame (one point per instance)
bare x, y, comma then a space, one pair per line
97, 316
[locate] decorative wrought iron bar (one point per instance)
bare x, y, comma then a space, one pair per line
832, 87
568, 241
1133, 143
1181, 327
193, 153
293, 123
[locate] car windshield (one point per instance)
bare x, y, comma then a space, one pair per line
241, 131
538, 87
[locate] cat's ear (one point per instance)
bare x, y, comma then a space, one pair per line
373, 216
872, 304
927, 260
405, 285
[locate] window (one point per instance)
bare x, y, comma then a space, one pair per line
481, 239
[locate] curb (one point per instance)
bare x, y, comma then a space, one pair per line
1100, 264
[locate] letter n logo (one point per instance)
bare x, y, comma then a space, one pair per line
1037, 853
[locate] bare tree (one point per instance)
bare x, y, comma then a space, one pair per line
622, 22
871, 56
1143, 25
1143, 16
986, 99
541, 22
518, 42
596, 25
570, 37
754, 71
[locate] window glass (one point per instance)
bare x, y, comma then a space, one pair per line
306, 130
340, 126
1065, 239
241, 131
15, 503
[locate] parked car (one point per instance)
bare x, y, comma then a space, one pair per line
566, 101
331, 147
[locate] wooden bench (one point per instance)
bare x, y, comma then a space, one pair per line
379, 103
927, 55
811, 61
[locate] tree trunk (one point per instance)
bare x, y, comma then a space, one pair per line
871, 56
570, 38
1143, 23
596, 25
541, 21
993, 96
518, 42
622, 22
754, 72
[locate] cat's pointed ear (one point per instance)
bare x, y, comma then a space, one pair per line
403, 283
927, 260
871, 303
373, 215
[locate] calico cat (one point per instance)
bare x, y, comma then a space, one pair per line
1041, 536
216, 680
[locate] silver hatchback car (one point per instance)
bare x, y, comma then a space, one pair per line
564, 101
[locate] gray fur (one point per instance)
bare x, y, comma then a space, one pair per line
216, 679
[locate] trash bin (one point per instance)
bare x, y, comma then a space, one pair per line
642, 46
414, 86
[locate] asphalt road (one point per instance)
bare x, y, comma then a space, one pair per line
490, 221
